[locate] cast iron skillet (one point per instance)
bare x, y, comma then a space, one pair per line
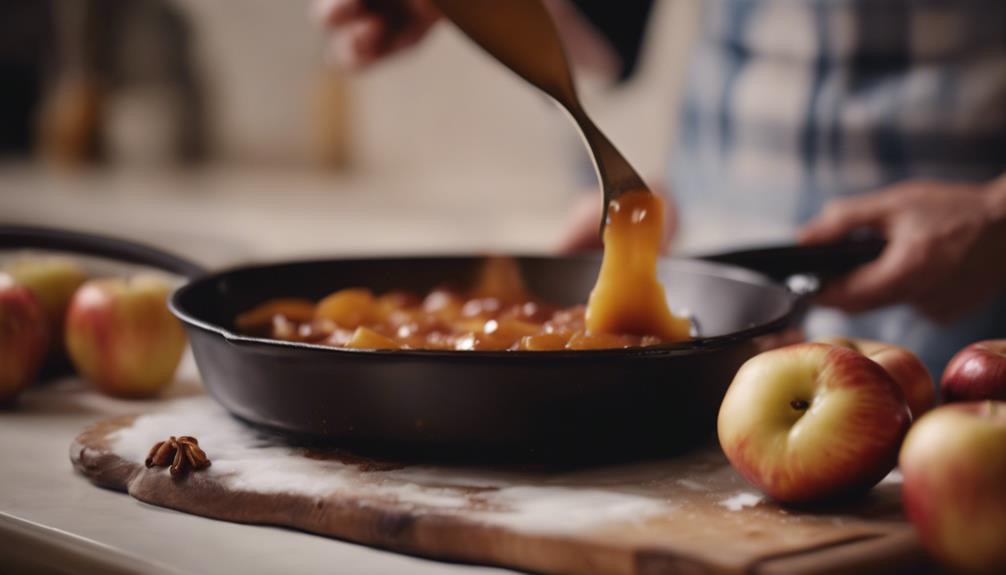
554, 405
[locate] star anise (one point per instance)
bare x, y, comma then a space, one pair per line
181, 453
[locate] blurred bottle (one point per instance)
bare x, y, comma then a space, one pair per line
71, 120
154, 114
71, 112
144, 126
125, 88
331, 120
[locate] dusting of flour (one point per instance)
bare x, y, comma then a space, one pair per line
558, 509
692, 485
245, 460
741, 500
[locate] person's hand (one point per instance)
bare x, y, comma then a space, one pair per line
364, 31
945, 254
581, 232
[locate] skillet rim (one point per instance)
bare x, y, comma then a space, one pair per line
699, 344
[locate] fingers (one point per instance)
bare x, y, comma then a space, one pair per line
889, 279
335, 13
358, 43
840, 217
357, 32
877, 283
362, 32
937, 251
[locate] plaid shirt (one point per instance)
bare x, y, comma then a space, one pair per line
792, 102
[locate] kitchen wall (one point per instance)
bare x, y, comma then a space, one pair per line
441, 148
443, 103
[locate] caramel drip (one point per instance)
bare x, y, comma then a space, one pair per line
628, 298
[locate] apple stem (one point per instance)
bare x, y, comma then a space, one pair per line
799, 404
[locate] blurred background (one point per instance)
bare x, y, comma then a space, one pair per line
215, 128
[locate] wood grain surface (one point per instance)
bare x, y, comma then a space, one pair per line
690, 514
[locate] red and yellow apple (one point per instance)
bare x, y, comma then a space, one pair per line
954, 467
904, 367
23, 337
811, 422
53, 280
122, 337
977, 372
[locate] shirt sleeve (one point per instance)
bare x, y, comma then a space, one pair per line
623, 24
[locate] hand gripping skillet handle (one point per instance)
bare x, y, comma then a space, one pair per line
24, 237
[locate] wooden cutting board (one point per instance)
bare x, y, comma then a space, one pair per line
690, 514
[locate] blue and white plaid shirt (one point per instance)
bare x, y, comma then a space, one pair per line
792, 102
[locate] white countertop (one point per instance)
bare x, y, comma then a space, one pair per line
52, 517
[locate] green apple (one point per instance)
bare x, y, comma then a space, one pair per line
122, 337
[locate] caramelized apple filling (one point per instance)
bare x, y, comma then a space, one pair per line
627, 307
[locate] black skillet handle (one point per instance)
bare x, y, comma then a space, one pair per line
21, 237
804, 268
783, 263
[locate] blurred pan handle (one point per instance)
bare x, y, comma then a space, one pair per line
25, 237
804, 268
783, 263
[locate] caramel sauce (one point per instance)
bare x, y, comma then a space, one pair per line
628, 298
627, 307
